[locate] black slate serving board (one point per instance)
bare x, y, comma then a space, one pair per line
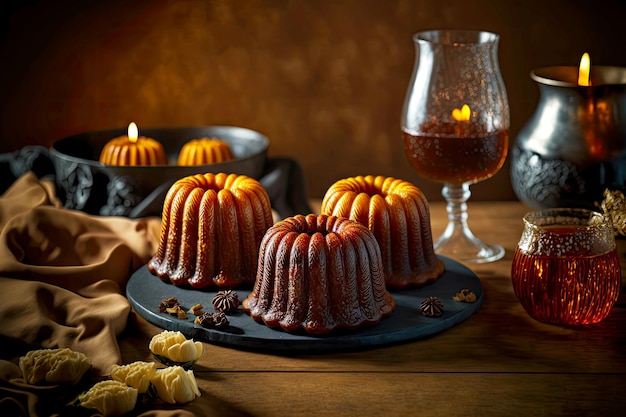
145, 292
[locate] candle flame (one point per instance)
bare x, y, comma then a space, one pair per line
463, 114
584, 70
133, 132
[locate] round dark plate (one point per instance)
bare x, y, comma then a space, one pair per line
145, 292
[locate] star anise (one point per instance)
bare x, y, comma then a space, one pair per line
431, 307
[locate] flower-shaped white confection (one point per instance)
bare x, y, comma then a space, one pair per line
175, 347
136, 374
175, 385
111, 398
55, 366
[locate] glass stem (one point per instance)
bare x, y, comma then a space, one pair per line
457, 241
456, 197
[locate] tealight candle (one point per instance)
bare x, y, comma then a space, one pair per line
204, 151
132, 149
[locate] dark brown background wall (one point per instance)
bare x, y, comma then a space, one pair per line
325, 80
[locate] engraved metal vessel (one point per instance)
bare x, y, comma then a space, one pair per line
574, 145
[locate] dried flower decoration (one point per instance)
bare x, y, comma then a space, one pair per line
55, 366
172, 348
613, 207
110, 398
175, 385
136, 374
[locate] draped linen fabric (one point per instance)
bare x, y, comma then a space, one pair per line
63, 275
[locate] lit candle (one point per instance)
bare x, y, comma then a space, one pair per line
577, 131
132, 149
133, 132
596, 113
584, 70
582, 75
462, 116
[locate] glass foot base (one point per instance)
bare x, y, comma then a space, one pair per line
457, 241
468, 250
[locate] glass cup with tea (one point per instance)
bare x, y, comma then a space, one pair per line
566, 269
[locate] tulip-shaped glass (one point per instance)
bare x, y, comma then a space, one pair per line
455, 126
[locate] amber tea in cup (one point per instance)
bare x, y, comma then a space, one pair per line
565, 268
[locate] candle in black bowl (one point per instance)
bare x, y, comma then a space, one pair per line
132, 150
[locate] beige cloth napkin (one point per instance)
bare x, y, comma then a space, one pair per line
62, 280
63, 273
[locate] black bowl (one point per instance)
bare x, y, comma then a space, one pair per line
137, 191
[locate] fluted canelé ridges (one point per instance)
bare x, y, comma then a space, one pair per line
204, 151
212, 227
121, 151
319, 273
398, 214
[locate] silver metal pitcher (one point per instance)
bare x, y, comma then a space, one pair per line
574, 145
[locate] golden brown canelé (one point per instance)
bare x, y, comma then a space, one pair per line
204, 151
122, 151
319, 273
398, 214
212, 226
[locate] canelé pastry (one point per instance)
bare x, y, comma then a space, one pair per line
319, 273
398, 214
204, 151
212, 226
124, 151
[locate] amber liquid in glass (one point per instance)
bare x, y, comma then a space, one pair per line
576, 288
456, 160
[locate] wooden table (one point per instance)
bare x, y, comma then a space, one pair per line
498, 362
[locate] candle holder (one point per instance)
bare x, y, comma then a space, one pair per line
86, 184
574, 145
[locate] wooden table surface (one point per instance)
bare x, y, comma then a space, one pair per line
498, 362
